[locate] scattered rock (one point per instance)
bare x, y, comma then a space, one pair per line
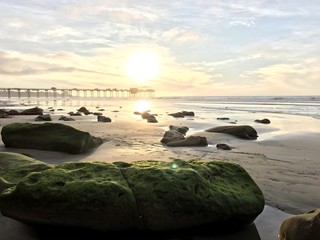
172, 135
84, 110
191, 141
176, 115
301, 227
64, 118
180, 129
169, 196
32, 111
45, 117
242, 131
48, 136
13, 112
103, 119
97, 114
264, 121
75, 114
152, 119
145, 115
223, 118
189, 114
223, 146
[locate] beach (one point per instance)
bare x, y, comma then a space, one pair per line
283, 161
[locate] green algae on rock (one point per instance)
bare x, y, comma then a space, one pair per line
143, 195
48, 136
15, 166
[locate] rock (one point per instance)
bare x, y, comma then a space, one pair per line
32, 111
152, 119
84, 111
136, 113
45, 117
97, 114
223, 118
191, 141
14, 167
75, 114
171, 135
180, 129
223, 146
48, 136
301, 227
4, 115
103, 119
189, 114
64, 118
13, 112
264, 121
176, 115
242, 131
144, 195
145, 115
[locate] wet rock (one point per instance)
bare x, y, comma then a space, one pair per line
32, 111
13, 112
64, 118
84, 110
191, 141
242, 131
48, 136
189, 114
223, 118
103, 119
144, 195
152, 119
176, 115
171, 135
301, 227
45, 117
180, 129
75, 114
223, 146
97, 114
264, 121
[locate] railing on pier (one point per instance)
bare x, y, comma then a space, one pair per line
76, 93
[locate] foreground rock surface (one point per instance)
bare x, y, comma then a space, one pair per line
48, 136
14, 167
191, 141
242, 131
144, 195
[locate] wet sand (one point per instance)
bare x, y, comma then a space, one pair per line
283, 161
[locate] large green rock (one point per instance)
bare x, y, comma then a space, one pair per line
15, 166
144, 195
48, 136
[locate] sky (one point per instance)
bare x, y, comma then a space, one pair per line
177, 48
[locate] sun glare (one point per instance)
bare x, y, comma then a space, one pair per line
143, 66
141, 106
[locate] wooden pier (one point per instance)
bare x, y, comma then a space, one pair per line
76, 93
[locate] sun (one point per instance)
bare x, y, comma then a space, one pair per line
143, 66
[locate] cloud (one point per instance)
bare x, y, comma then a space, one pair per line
181, 35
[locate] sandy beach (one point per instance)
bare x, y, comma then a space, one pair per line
283, 160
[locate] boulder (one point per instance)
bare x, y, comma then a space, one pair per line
48, 136
176, 115
15, 166
301, 227
45, 117
223, 146
32, 111
84, 110
75, 113
242, 131
264, 121
188, 113
64, 118
97, 114
103, 119
171, 135
144, 195
152, 119
191, 141
13, 112
180, 129
145, 115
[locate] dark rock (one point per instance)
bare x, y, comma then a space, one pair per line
144, 195
152, 119
304, 226
115, 111
176, 115
84, 110
45, 117
189, 114
51, 110
101, 110
103, 119
223, 118
242, 131
3, 114
48, 136
64, 118
32, 111
172, 135
223, 146
97, 114
75, 114
60, 109
14, 167
191, 141
180, 129
264, 121
13, 112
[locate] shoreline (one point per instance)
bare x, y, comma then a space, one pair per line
282, 161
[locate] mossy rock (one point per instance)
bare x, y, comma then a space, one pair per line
144, 195
15, 166
48, 136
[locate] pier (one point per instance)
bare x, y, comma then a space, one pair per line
76, 93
